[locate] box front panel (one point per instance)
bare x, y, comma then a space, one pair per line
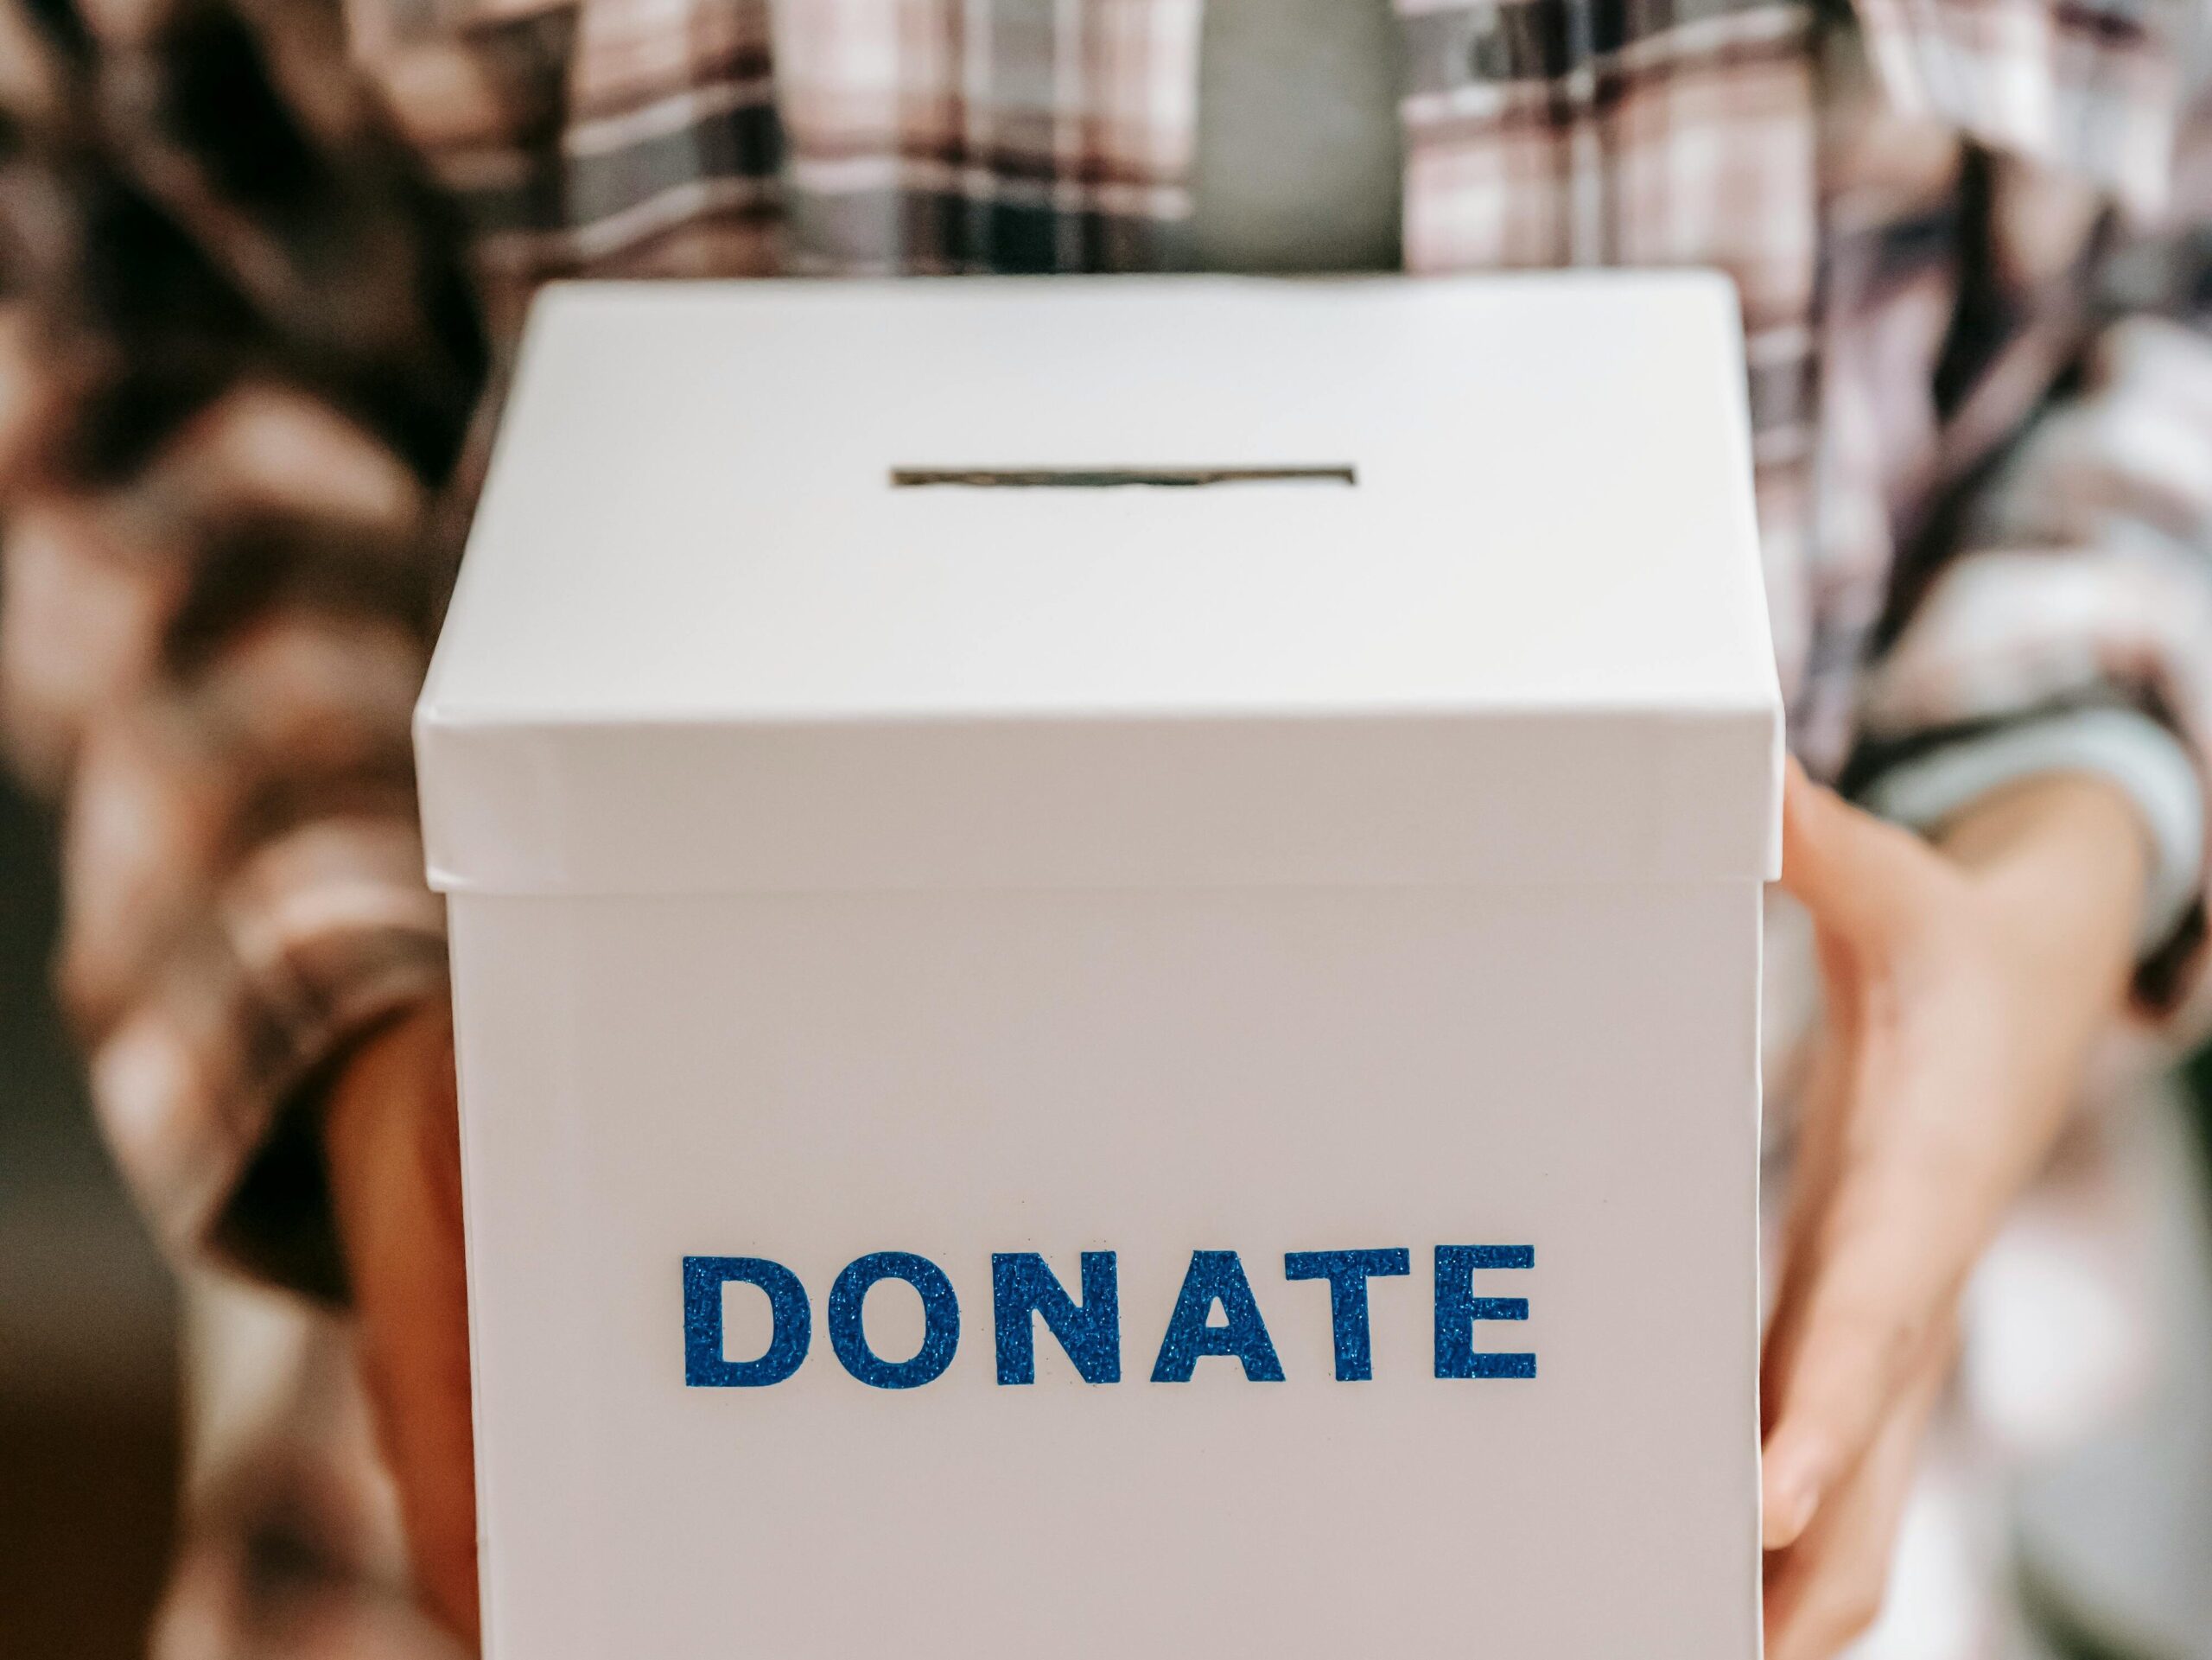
1201, 1084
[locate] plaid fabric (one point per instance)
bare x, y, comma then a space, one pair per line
249, 300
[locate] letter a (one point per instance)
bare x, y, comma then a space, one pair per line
1216, 1276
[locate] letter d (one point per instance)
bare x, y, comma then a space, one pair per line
703, 1365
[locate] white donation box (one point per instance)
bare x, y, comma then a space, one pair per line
1106, 940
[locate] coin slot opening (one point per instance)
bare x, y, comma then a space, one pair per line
1113, 478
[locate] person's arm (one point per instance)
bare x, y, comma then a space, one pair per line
2041, 722
238, 355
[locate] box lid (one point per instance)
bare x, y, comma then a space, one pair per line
1106, 582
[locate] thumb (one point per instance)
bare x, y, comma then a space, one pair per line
1846, 867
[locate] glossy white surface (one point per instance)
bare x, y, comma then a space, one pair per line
837, 869
690, 565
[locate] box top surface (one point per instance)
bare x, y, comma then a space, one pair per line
692, 515
1526, 498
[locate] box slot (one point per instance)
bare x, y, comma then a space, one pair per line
1113, 478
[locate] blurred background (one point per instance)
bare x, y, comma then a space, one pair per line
88, 1364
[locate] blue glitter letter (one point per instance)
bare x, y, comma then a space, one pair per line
792, 1329
1091, 1331
1457, 1308
1347, 1273
940, 1310
1216, 1276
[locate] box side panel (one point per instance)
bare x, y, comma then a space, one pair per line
1355, 799
810, 1079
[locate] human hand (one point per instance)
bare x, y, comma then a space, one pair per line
1964, 983
391, 1139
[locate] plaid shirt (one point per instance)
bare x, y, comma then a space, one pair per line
253, 300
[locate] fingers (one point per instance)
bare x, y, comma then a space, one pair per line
1838, 1380
1878, 1251
1827, 1589
1874, 1273
1883, 1223
394, 1152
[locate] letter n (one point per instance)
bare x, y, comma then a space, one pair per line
1090, 1331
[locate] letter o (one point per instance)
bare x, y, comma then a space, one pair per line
940, 1315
